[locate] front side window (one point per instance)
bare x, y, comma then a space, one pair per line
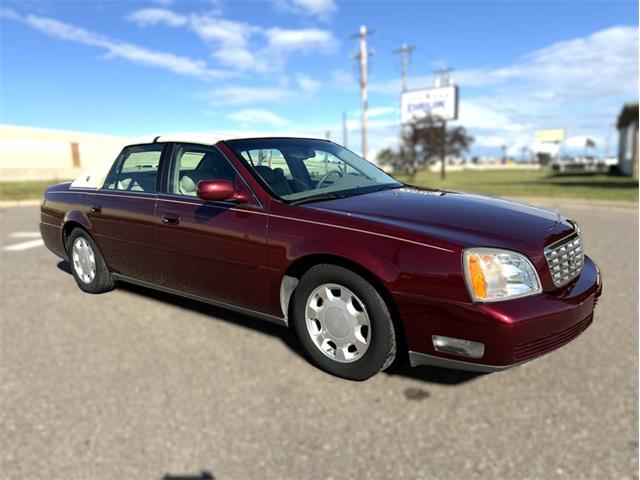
192, 164
137, 170
296, 170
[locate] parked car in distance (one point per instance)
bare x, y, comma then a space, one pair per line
307, 234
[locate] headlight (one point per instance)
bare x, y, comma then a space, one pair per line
493, 274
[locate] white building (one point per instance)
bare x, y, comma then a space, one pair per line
628, 143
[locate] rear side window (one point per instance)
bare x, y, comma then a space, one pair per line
137, 169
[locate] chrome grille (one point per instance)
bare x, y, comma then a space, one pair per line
565, 258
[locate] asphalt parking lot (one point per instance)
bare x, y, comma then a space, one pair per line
138, 384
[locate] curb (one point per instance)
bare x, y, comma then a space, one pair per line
560, 202
19, 203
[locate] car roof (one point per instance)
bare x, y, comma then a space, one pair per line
94, 176
210, 138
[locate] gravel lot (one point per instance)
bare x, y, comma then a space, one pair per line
138, 384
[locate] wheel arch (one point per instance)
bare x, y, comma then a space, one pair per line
74, 219
300, 266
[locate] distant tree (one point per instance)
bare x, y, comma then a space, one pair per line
387, 156
544, 158
425, 141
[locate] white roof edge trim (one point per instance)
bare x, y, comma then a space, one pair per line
211, 138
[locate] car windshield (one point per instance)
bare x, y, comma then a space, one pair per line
297, 170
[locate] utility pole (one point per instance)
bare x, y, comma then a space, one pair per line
405, 53
363, 56
345, 132
443, 79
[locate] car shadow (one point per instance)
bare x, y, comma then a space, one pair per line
400, 367
202, 476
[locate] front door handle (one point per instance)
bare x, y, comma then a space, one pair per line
96, 209
170, 220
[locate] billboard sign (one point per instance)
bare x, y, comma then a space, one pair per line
550, 136
441, 102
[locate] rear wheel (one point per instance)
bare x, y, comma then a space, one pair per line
87, 265
343, 323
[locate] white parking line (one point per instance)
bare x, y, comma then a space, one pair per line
24, 245
24, 235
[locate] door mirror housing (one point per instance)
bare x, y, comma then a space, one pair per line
221, 190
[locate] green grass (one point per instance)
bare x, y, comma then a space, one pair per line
499, 183
532, 183
24, 190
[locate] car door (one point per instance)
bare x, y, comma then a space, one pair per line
122, 213
212, 249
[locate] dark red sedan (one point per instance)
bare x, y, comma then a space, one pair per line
305, 233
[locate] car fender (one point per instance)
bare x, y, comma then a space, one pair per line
75, 217
365, 257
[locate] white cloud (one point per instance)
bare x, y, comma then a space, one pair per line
305, 40
601, 64
154, 16
494, 141
232, 95
212, 28
237, 44
308, 84
250, 117
482, 114
228, 39
380, 111
322, 9
116, 49
343, 80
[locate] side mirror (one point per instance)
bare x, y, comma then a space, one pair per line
220, 190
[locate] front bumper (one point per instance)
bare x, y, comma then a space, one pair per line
416, 359
513, 332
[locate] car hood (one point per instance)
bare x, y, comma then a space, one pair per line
463, 219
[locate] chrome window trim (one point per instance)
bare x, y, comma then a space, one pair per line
196, 201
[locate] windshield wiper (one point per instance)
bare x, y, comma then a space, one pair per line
332, 196
319, 197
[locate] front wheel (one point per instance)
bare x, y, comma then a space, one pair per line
87, 265
343, 323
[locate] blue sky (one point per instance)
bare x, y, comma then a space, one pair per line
144, 67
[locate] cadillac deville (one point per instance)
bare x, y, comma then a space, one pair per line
307, 234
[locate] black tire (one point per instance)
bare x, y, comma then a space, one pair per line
103, 281
382, 338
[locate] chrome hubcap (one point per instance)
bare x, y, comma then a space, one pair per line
84, 261
338, 323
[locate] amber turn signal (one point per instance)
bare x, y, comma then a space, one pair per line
476, 276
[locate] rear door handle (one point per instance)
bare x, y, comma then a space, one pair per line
96, 209
170, 220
